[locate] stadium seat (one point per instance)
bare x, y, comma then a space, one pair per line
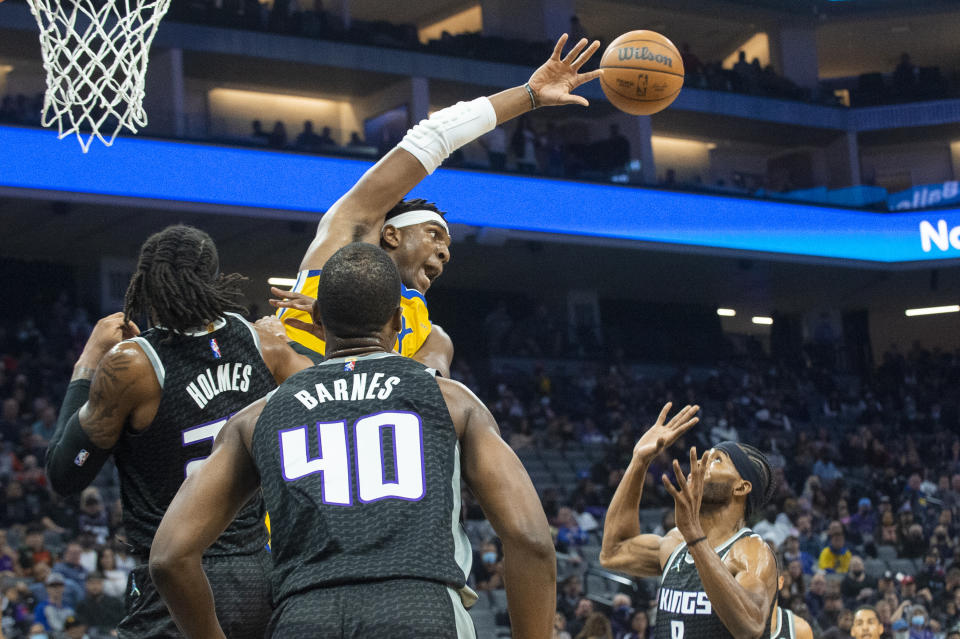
905, 566
886, 553
874, 567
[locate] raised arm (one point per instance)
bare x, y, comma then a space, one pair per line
624, 547
510, 502
111, 382
359, 214
206, 503
282, 360
740, 587
437, 351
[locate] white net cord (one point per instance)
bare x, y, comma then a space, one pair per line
95, 54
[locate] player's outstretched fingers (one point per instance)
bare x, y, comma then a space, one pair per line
586, 55
663, 413
558, 49
668, 485
575, 51
681, 478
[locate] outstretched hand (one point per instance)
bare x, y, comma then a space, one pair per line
688, 496
553, 82
291, 299
662, 435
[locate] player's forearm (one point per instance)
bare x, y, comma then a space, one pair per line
181, 582
737, 608
530, 579
511, 103
622, 521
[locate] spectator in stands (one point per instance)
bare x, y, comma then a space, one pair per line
308, 140
830, 614
9, 560
259, 135
10, 422
69, 567
51, 612
488, 571
92, 519
932, 575
115, 578
920, 623
577, 622
597, 626
621, 614
523, 144
16, 607
904, 76
46, 423
888, 533
843, 626
770, 528
835, 558
691, 63
326, 139
639, 626
864, 521
75, 628
571, 590
99, 610
914, 545
278, 137
495, 143
815, 597
355, 140
857, 587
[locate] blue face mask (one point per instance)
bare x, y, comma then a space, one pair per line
489, 557
917, 620
42, 635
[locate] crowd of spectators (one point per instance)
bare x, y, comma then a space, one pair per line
867, 507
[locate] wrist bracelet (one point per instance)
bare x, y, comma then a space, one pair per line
696, 541
533, 100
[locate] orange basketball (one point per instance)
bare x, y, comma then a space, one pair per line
643, 72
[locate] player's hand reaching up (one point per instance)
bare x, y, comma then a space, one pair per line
688, 495
107, 333
553, 82
663, 433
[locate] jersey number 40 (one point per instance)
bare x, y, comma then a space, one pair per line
407, 481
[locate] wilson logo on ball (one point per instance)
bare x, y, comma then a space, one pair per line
643, 53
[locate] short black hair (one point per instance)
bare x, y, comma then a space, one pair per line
869, 608
357, 291
405, 206
178, 283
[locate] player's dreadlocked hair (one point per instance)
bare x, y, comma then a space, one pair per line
405, 206
178, 283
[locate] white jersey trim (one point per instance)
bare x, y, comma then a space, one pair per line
153, 357
252, 329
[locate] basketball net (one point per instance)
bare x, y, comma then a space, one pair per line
95, 55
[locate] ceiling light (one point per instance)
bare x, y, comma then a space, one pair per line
933, 310
726, 312
282, 281
758, 319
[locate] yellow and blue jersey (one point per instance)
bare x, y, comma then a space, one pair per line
415, 324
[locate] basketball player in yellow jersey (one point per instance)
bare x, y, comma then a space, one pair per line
414, 233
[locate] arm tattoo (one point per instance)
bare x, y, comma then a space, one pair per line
112, 381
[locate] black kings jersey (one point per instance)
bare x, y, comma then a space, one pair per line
684, 611
360, 468
206, 377
785, 628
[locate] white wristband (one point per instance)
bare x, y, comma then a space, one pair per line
435, 138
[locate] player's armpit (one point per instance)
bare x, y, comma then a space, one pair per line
206, 503
504, 490
436, 351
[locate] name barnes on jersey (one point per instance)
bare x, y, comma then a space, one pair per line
345, 392
228, 377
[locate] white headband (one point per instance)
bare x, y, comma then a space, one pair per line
416, 217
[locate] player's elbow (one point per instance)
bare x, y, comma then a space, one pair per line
167, 558
533, 543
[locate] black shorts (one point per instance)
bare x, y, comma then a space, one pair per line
395, 608
241, 590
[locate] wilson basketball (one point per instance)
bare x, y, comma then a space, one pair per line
642, 72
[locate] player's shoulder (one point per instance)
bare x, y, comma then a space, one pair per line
751, 551
126, 358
